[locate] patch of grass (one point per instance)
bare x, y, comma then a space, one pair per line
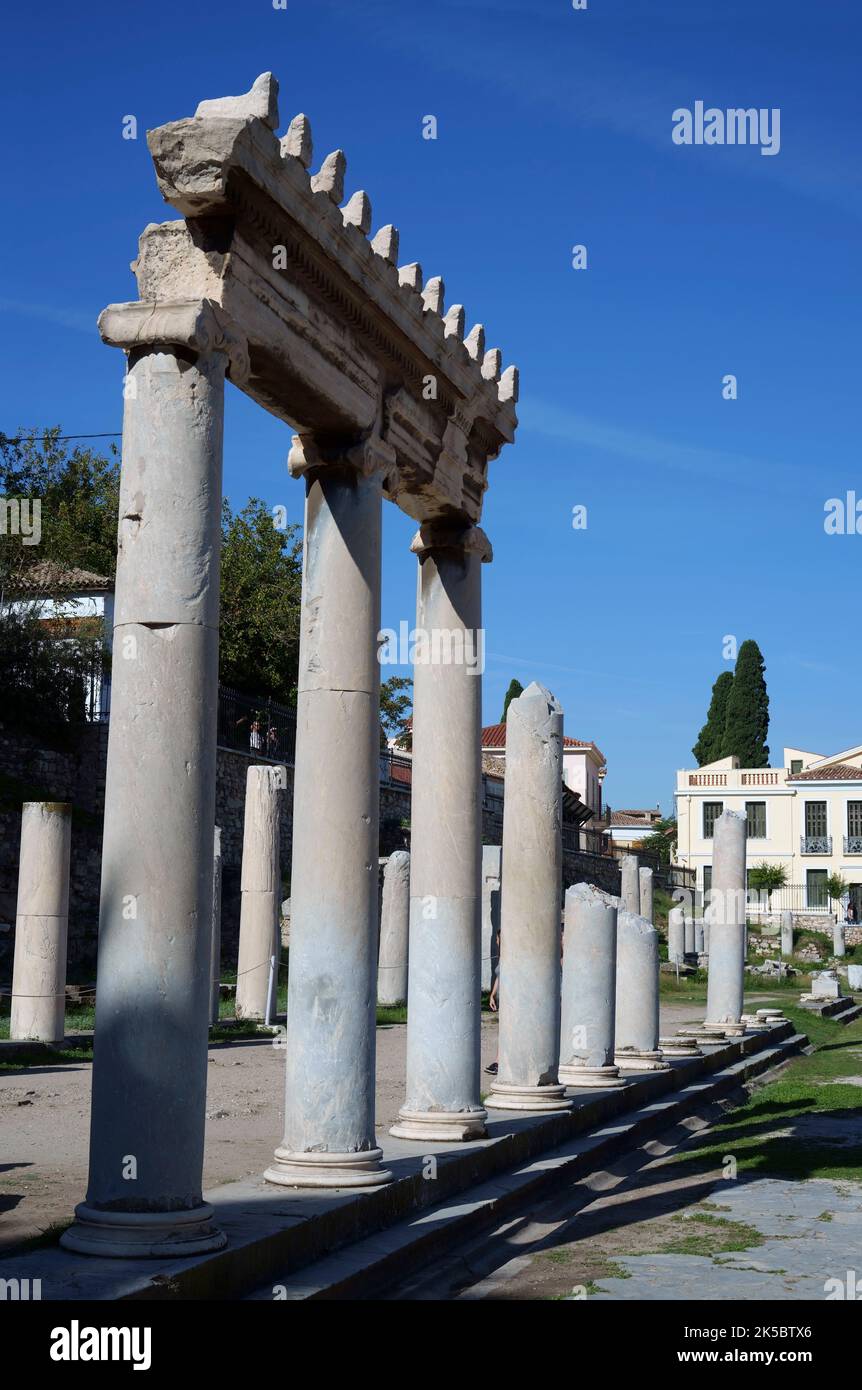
711, 1235
395, 1014
557, 1257
45, 1239
825, 1216
765, 1136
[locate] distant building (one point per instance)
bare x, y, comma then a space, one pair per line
584, 765
805, 816
628, 827
73, 602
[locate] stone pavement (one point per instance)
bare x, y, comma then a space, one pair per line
802, 1251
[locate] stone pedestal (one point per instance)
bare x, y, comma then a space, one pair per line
260, 908
443, 1027
699, 936
727, 924
329, 1135
41, 923
787, 933
394, 930
589, 989
491, 892
637, 1007
630, 887
155, 927
529, 1044
645, 879
838, 947
676, 935
215, 954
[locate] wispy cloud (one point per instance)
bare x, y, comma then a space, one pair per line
641, 446
78, 320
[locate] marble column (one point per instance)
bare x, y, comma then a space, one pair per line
394, 930
260, 905
787, 933
529, 1031
699, 936
152, 1008
838, 947
443, 1027
690, 940
630, 889
41, 923
589, 989
727, 925
329, 1135
637, 1009
645, 881
492, 858
215, 950
676, 935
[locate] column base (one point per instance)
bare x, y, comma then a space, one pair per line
679, 1047
636, 1060
528, 1098
703, 1039
729, 1030
129, 1235
771, 1015
753, 1024
602, 1078
441, 1126
328, 1169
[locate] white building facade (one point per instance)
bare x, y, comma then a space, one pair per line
805, 816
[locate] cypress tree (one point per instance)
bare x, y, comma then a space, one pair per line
515, 689
710, 739
747, 720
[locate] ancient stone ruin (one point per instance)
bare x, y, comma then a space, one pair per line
266, 280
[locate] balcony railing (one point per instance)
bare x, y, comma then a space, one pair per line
816, 844
853, 844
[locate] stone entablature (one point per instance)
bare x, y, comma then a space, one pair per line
341, 343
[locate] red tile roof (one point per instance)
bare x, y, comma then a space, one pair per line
832, 772
494, 736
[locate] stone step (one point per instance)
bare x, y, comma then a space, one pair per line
276, 1234
369, 1267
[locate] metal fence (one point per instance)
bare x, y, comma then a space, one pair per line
256, 725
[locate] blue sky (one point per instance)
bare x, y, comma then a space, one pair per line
705, 516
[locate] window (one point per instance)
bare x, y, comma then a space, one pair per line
795, 766
816, 888
755, 817
707, 877
854, 818
711, 812
815, 821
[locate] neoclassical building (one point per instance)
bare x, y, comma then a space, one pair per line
805, 816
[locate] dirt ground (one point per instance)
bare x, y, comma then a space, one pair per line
45, 1113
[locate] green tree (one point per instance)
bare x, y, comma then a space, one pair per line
765, 878
661, 843
836, 887
396, 705
747, 720
261, 587
515, 689
710, 739
78, 493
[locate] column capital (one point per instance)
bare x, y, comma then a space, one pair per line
441, 535
198, 324
367, 456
